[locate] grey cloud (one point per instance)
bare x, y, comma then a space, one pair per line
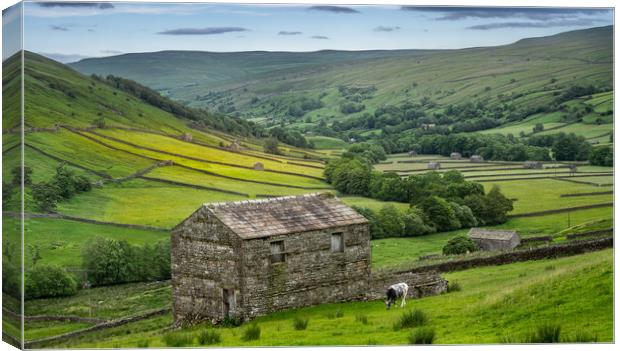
203, 31
386, 28
59, 28
319, 37
548, 24
333, 9
538, 14
284, 32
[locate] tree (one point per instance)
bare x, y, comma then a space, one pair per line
391, 221
416, 222
459, 245
271, 146
539, 127
48, 281
16, 172
46, 196
569, 147
108, 261
376, 232
440, 213
497, 207
602, 156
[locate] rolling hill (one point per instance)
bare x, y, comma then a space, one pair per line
301, 90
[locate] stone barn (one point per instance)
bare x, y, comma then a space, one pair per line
249, 258
258, 166
476, 159
492, 240
455, 156
532, 165
433, 165
412, 153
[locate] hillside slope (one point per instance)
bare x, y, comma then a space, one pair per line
510, 81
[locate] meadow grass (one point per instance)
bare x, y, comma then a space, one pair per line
323, 142
498, 300
142, 202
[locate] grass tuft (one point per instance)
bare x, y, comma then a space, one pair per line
231, 322
546, 333
422, 336
362, 318
252, 332
300, 323
454, 286
142, 343
178, 339
209, 337
411, 319
582, 337
337, 314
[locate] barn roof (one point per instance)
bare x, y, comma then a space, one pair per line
492, 234
284, 215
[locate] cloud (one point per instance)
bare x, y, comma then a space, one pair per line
547, 24
112, 52
333, 9
90, 5
537, 14
322, 37
284, 32
59, 28
203, 31
386, 28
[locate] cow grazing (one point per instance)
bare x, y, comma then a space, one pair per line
394, 292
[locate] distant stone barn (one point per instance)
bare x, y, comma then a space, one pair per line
493, 240
433, 165
455, 156
249, 258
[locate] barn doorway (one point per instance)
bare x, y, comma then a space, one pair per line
228, 299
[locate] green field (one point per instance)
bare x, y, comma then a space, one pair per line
503, 302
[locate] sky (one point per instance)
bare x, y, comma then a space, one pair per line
70, 31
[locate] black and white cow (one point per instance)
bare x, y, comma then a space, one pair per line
394, 292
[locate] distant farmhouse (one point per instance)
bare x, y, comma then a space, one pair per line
455, 156
433, 165
412, 153
532, 165
246, 259
476, 159
492, 240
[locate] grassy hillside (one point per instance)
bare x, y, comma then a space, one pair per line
503, 302
507, 80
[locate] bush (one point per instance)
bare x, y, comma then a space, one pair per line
411, 319
178, 339
459, 245
583, 336
209, 337
454, 286
142, 343
231, 322
252, 332
546, 333
300, 323
422, 336
49, 281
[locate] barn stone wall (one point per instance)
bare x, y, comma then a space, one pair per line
311, 273
205, 260
497, 245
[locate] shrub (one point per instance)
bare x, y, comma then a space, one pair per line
252, 332
422, 336
300, 323
454, 286
362, 318
142, 343
459, 245
49, 281
546, 333
231, 322
178, 339
583, 336
411, 319
209, 337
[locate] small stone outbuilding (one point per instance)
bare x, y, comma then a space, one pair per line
258, 166
412, 153
249, 258
493, 240
455, 156
532, 165
476, 158
433, 165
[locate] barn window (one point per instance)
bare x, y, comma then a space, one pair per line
277, 251
337, 242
